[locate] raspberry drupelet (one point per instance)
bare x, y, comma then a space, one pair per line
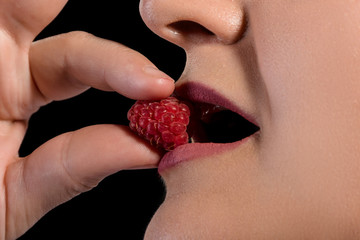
163, 123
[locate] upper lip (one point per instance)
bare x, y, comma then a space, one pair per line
206, 101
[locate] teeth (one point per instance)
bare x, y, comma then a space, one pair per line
207, 110
214, 123
202, 115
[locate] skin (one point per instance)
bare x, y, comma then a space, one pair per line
291, 65
30, 77
294, 67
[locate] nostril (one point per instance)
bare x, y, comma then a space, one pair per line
191, 31
188, 22
189, 27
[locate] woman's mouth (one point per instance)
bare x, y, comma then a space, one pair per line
216, 125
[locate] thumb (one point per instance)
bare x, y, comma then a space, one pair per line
68, 165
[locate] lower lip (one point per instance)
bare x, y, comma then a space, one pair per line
193, 151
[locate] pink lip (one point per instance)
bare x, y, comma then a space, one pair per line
198, 93
192, 151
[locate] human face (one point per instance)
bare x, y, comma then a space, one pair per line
293, 68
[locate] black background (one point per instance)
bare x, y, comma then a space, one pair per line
121, 206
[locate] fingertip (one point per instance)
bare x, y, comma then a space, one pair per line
166, 87
107, 149
162, 83
154, 85
149, 84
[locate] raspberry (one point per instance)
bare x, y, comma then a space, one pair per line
163, 122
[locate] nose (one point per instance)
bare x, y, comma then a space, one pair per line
185, 22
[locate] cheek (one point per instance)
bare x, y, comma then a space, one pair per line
310, 67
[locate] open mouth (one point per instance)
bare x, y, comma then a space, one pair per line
213, 129
217, 124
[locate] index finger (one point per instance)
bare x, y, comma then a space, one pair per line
66, 65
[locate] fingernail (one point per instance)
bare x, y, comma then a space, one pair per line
153, 71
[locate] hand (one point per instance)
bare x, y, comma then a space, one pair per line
33, 74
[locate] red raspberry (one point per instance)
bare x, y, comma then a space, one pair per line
163, 122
